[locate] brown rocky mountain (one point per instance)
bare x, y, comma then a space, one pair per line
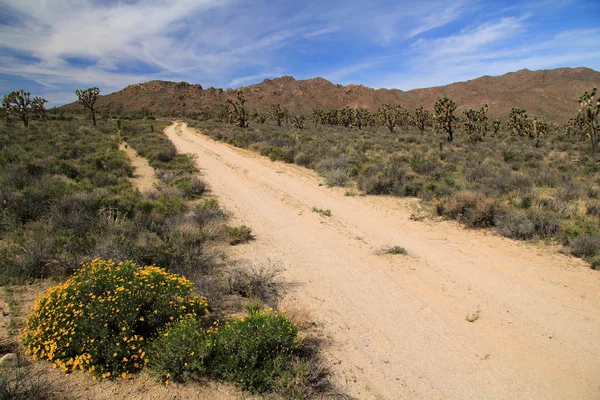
552, 94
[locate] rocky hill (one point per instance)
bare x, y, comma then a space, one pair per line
552, 94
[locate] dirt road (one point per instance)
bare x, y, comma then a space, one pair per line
144, 177
398, 324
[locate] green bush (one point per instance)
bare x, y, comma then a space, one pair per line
191, 187
395, 250
239, 234
208, 210
256, 350
182, 351
102, 318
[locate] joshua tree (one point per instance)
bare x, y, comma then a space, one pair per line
37, 106
259, 117
444, 114
240, 111
421, 118
575, 126
317, 116
18, 104
5, 107
589, 107
540, 128
278, 113
87, 98
298, 121
496, 125
476, 122
346, 116
518, 121
390, 115
362, 117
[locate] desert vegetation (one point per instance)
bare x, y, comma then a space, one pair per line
525, 177
142, 281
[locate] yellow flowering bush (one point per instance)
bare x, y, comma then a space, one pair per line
102, 318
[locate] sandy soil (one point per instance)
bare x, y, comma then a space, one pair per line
398, 324
143, 178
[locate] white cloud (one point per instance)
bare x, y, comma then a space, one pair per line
438, 19
321, 32
254, 78
470, 40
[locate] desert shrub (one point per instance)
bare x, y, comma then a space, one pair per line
166, 155
260, 352
37, 251
515, 224
303, 159
507, 181
256, 282
185, 247
182, 351
569, 190
322, 211
545, 224
593, 208
340, 162
101, 319
395, 250
470, 208
387, 180
208, 210
586, 246
430, 166
20, 382
164, 205
593, 192
336, 177
239, 234
190, 187
255, 350
546, 177
595, 263
285, 154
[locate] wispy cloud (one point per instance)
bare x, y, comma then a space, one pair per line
252, 78
438, 19
470, 40
321, 32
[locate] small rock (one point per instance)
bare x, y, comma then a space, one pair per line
8, 360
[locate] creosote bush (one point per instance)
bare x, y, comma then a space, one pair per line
102, 318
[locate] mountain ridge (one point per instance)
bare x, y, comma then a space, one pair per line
552, 94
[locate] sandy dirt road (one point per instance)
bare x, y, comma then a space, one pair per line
397, 324
143, 174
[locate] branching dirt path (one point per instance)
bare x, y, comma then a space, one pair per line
143, 176
397, 324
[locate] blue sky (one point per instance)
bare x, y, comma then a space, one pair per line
52, 47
